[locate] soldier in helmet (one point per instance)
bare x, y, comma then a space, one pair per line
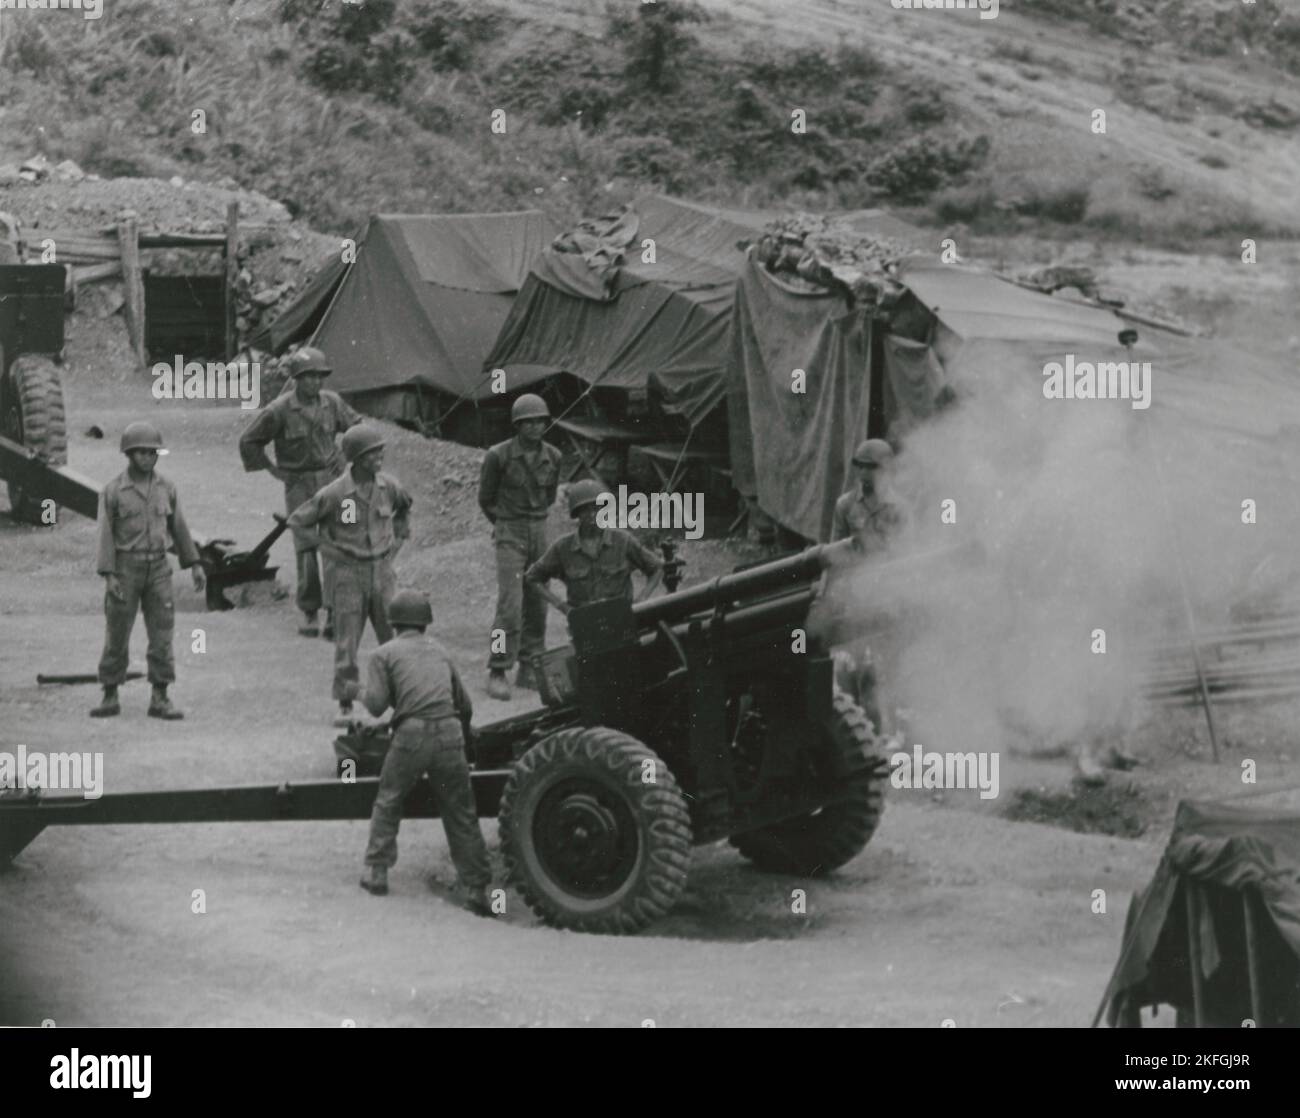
413, 674
359, 521
594, 563
517, 488
302, 423
864, 516
140, 520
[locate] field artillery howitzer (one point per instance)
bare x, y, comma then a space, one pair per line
225, 567
704, 714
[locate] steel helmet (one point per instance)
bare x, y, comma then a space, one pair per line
582, 493
410, 607
309, 359
142, 436
529, 406
361, 438
873, 452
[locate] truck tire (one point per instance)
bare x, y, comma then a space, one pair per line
34, 417
815, 844
588, 842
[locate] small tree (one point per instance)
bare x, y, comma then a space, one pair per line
653, 38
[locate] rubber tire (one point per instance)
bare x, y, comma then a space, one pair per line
615, 761
37, 393
814, 844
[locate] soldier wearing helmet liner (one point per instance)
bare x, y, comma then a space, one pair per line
139, 521
302, 424
413, 674
517, 488
359, 521
594, 563
870, 521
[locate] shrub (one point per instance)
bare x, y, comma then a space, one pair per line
653, 41
917, 167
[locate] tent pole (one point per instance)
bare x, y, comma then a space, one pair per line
1252, 958
1186, 595
1194, 953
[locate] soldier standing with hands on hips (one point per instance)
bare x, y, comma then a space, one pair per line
359, 522
594, 563
139, 518
517, 488
302, 424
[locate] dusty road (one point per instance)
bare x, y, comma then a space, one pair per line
948, 913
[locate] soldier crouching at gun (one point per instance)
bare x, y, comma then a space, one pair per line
431, 718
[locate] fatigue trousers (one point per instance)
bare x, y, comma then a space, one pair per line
521, 610
147, 587
312, 593
439, 749
362, 590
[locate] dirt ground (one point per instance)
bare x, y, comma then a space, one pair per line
951, 912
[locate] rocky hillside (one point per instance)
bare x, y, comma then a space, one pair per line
337, 111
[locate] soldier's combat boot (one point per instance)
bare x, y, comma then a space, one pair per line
375, 881
498, 687
476, 900
309, 627
108, 706
160, 706
526, 677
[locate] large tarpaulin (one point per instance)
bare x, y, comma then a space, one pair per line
659, 313
654, 310
1225, 848
792, 437
423, 301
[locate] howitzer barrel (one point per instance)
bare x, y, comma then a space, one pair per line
780, 574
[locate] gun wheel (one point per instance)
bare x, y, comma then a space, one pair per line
815, 844
34, 417
595, 832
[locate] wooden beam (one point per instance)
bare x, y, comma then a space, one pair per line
232, 274
128, 234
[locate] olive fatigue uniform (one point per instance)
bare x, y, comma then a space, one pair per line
365, 527
306, 451
594, 576
870, 521
139, 519
516, 493
431, 711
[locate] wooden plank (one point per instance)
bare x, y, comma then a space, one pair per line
232, 273
128, 233
94, 273
183, 240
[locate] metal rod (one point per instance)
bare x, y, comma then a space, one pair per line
1194, 952
1186, 596
1252, 957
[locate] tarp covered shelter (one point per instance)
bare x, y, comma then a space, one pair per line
1217, 931
416, 313
662, 321
864, 374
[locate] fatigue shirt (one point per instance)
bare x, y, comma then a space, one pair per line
141, 516
868, 519
377, 521
608, 575
303, 435
510, 488
413, 674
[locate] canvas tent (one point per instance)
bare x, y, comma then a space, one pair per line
643, 323
864, 373
409, 324
1216, 933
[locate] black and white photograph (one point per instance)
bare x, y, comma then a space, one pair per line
650, 514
